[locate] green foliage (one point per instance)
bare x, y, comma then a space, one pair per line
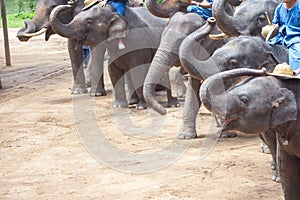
25, 5
20, 4
17, 20
17, 11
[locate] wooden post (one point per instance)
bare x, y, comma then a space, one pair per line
5, 34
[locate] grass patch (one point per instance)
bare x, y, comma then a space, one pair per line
17, 20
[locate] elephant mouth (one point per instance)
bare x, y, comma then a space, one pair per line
229, 123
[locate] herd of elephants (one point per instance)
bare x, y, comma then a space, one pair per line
227, 59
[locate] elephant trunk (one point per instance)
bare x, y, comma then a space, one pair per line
166, 9
68, 30
159, 66
195, 67
223, 12
28, 28
212, 91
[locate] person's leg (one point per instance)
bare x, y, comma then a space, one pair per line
86, 55
203, 12
119, 7
294, 58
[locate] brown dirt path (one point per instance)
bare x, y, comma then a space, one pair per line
44, 153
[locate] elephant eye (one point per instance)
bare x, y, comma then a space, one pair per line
233, 62
244, 100
261, 20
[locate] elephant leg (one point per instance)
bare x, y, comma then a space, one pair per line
289, 166
138, 75
118, 81
96, 69
177, 82
269, 138
172, 101
132, 95
76, 57
190, 109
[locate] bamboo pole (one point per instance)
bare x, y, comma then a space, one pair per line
5, 34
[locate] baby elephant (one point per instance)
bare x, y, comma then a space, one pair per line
262, 103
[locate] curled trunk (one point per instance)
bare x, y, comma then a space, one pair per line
166, 9
28, 28
212, 91
195, 67
160, 65
68, 30
223, 12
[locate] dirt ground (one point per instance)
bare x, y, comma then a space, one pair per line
54, 145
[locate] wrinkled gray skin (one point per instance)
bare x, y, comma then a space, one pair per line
248, 19
179, 27
237, 53
102, 27
248, 27
262, 104
41, 20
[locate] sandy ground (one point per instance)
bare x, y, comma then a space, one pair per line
57, 146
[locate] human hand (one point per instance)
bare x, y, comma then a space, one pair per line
102, 3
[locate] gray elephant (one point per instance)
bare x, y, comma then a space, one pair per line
40, 24
249, 16
229, 56
102, 27
179, 27
262, 104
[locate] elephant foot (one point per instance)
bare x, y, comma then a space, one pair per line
273, 165
187, 135
173, 103
133, 101
96, 92
141, 106
118, 104
276, 177
227, 134
264, 148
79, 89
88, 84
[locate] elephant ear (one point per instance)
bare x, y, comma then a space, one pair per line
284, 107
117, 27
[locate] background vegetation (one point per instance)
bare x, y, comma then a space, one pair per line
17, 11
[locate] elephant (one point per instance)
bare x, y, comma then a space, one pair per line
249, 16
180, 25
139, 30
40, 24
263, 102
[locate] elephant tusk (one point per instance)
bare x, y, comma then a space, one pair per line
41, 31
218, 36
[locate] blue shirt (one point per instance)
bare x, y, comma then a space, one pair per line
289, 25
204, 12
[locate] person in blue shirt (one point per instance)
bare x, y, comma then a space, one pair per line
287, 21
203, 9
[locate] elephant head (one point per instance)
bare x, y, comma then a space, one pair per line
254, 105
180, 26
249, 16
166, 9
89, 27
40, 23
237, 53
